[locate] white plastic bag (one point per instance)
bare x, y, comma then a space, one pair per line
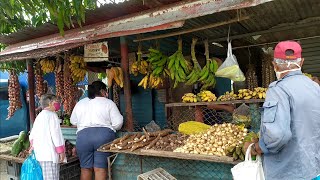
230, 67
249, 169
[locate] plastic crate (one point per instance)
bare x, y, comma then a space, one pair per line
156, 174
70, 171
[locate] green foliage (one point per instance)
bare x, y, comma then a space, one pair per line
2, 47
15, 14
17, 66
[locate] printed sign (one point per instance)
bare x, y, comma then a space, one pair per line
96, 52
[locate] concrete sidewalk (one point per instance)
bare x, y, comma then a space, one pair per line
3, 170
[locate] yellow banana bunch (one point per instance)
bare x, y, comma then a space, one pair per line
139, 67
155, 81
257, 93
228, 96
189, 98
151, 81
78, 68
207, 96
134, 69
144, 82
143, 67
47, 65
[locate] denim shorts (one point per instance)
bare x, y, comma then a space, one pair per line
88, 141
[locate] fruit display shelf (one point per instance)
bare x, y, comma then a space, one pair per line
249, 101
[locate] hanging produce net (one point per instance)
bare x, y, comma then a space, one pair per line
178, 115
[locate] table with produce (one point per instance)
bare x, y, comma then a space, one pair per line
194, 140
16, 149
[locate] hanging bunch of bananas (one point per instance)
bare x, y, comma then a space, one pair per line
257, 93
178, 66
207, 75
151, 81
47, 65
158, 62
134, 69
228, 96
144, 82
207, 96
189, 98
194, 76
78, 68
116, 74
155, 81
140, 66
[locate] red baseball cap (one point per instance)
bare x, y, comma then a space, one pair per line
287, 50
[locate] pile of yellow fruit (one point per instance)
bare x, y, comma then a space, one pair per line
207, 96
189, 98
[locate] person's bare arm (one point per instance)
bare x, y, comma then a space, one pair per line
226, 107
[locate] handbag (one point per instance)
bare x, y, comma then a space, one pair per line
31, 169
248, 169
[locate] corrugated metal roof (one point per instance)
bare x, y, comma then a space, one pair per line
263, 17
311, 55
275, 14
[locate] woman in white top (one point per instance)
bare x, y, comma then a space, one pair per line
97, 119
46, 138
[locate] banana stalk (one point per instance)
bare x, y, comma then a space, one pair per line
195, 74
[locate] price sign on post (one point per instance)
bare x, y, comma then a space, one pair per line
96, 52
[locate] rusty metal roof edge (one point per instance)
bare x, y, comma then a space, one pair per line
41, 53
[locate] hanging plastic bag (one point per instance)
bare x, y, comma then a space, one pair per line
31, 169
152, 127
249, 169
230, 67
241, 115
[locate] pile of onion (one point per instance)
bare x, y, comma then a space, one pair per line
214, 141
70, 89
14, 94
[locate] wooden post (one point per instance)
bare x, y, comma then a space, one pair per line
32, 109
198, 114
127, 89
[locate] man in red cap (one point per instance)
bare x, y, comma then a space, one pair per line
290, 121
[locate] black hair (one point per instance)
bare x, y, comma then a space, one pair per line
95, 88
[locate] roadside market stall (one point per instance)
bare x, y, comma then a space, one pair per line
163, 73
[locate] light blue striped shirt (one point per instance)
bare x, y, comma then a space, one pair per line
290, 129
